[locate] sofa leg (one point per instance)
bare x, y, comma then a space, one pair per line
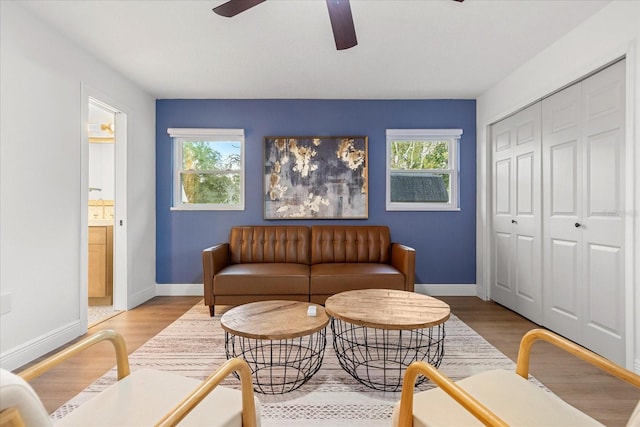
211, 310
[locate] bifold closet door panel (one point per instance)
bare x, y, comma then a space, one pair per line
528, 212
516, 280
602, 224
583, 221
502, 284
562, 186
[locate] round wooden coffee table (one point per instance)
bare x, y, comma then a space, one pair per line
377, 333
282, 344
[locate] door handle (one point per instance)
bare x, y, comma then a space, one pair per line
578, 225
513, 221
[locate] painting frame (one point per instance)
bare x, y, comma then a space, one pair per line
315, 177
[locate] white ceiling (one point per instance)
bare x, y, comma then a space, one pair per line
407, 49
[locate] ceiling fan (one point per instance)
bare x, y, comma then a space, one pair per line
344, 32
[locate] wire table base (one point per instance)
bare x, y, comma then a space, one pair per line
279, 366
378, 358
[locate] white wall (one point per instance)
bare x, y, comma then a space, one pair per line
611, 33
101, 171
41, 164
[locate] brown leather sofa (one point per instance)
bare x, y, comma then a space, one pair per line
303, 263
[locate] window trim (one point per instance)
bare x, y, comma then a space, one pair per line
453, 137
176, 161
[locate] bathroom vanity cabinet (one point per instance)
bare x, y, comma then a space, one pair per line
101, 265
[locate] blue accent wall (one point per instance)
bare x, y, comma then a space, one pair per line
445, 242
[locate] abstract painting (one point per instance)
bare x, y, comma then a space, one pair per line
315, 177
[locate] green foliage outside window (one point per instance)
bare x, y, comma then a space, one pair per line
410, 155
420, 156
211, 172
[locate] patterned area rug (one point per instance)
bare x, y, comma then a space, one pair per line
193, 346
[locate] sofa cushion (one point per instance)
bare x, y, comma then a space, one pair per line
511, 397
349, 244
260, 244
145, 396
331, 278
263, 278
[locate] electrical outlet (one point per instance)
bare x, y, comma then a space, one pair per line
5, 303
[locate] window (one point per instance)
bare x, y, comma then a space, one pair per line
422, 169
208, 169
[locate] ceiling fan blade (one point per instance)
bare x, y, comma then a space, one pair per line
344, 31
234, 7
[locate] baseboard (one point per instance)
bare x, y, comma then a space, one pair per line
448, 290
195, 289
25, 353
141, 297
180, 289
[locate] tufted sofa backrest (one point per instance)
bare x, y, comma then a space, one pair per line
335, 243
253, 244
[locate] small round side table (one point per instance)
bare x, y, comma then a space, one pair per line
377, 333
282, 344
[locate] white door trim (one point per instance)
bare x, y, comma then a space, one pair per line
121, 272
632, 198
120, 226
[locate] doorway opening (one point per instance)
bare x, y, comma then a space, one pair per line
101, 211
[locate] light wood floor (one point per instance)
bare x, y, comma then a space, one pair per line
604, 398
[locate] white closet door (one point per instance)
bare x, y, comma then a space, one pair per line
517, 214
528, 213
583, 152
602, 224
502, 283
562, 176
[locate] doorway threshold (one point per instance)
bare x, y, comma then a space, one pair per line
99, 313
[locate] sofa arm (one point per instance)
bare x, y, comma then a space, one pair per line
214, 259
404, 259
447, 385
524, 355
120, 347
238, 367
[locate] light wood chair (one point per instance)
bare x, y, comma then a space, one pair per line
499, 397
143, 398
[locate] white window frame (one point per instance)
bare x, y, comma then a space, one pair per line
452, 136
225, 135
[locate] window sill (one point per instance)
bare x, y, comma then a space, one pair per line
397, 208
207, 208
